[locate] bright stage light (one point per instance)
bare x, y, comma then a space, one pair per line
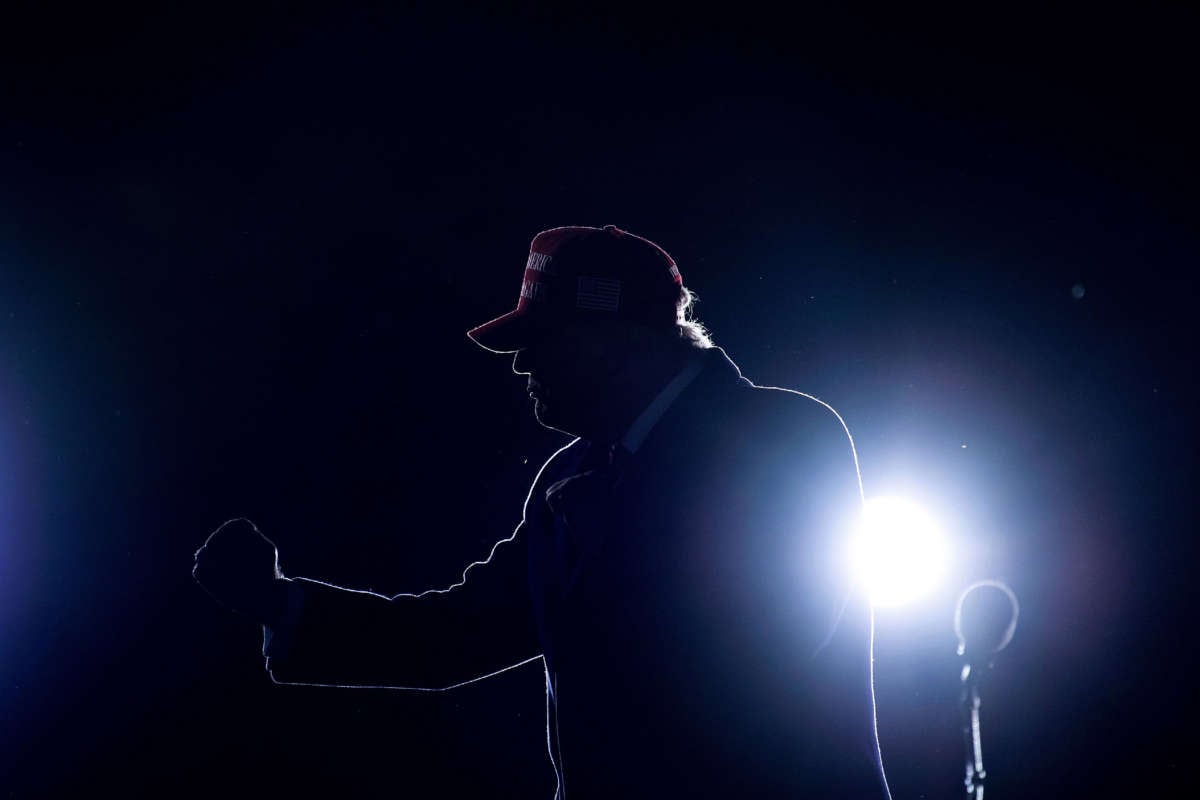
898, 551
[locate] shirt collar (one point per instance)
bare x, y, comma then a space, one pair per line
654, 412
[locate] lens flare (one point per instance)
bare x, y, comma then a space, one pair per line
898, 551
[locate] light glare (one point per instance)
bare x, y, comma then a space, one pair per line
898, 551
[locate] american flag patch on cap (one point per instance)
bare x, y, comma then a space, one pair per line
598, 294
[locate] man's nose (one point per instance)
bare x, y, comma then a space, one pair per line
521, 362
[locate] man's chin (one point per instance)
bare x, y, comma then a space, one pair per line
543, 415
546, 419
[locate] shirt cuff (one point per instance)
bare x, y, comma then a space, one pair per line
278, 639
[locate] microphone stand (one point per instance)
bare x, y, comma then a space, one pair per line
985, 629
969, 706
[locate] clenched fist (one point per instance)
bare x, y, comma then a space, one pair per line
239, 567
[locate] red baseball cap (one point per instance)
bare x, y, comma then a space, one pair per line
578, 272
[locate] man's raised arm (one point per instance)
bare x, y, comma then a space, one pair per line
317, 633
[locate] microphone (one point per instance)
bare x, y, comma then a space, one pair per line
985, 620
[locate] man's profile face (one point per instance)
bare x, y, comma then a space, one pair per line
572, 375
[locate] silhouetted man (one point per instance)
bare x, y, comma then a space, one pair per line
678, 567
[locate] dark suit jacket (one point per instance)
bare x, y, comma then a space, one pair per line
691, 605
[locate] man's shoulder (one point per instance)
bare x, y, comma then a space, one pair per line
776, 410
781, 416
726, 416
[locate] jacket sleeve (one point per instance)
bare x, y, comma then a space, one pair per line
782, 658
432, 640
792, 503
823, 500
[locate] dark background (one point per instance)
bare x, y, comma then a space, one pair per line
239, 249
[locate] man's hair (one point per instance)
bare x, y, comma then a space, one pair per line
691, 330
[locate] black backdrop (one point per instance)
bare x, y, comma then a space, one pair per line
239, 249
